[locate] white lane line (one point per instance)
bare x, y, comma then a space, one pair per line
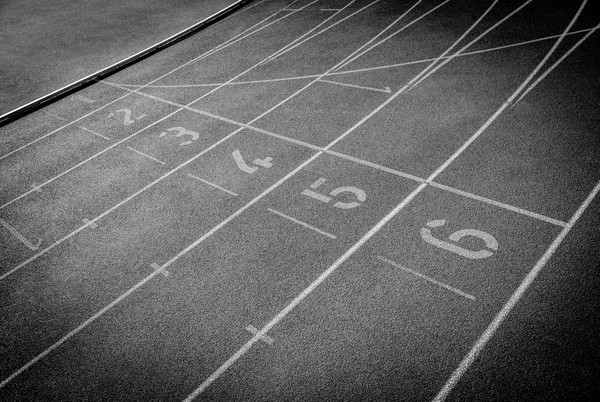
260, 29
392, 34
512, 302
294, 43
226, 119
558, 41
167, 174
293, 172
212, 184
308, 290
172, 260
387, 90
500, 204
132, 135
325, 29
209, 52
225, 366
427, 278
265, 338
556, 63
155, 272
160, 269
299, 222
94, 133
449, 59
500, 110
35, 187
376, 166
366, 69
471, 53
128, 59
52, 115
90, 223
211, 232
146, 155
297, 300
88, 159
78, 329
118, 205
19, 236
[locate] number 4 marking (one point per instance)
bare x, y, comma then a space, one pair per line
241, 163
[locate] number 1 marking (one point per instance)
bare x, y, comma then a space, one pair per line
127, 120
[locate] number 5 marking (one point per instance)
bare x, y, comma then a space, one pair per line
361, 196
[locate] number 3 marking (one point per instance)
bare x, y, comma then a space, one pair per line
182, 131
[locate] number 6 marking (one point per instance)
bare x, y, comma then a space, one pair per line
490, 241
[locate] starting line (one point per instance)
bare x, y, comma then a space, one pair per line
491, 243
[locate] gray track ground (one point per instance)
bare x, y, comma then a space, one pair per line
47, 45
159, 240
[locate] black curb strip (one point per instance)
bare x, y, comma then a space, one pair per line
95, 77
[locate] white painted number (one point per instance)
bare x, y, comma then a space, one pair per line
127, 120
361, 196
180, 132
241, 163
490, 241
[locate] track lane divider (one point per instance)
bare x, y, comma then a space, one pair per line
78, 85
159, 269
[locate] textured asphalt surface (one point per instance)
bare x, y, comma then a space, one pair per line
216, 223
47, 45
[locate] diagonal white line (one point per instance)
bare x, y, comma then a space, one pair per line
181, 253
427, 278
387, 90
324, 30
146, 155
19, 236
209, 52
308, 290
393, 34
299, 222
212, 184
293, 44
94, 133
501, 109
50, 247
78, 329
366, 69
496, 203
460, 51
130, 136
101, 107
512, 302
499, 204
244, 35
557, 62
